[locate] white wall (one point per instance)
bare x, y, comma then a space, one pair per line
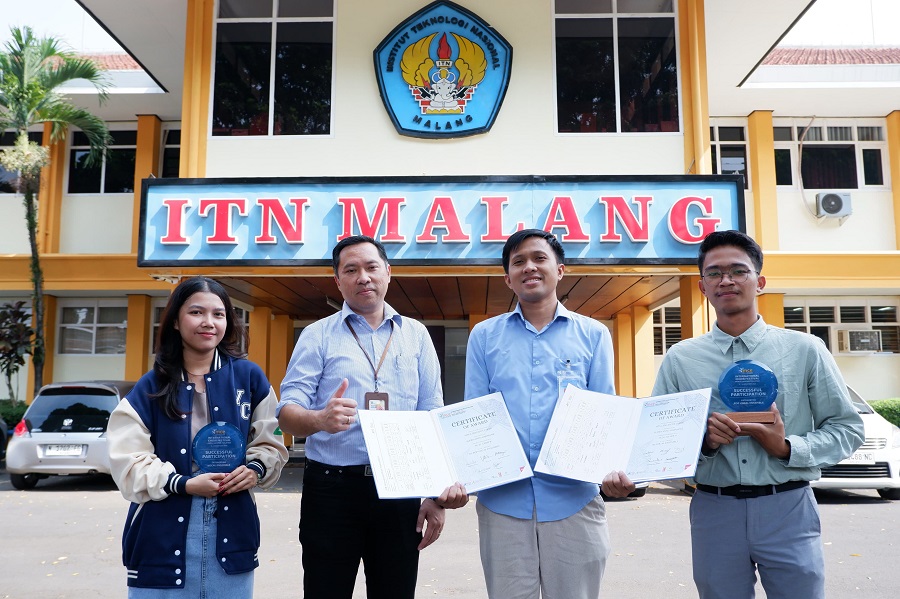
14, 239
523, 139
869, 228
68, 367
96, 224
875, 376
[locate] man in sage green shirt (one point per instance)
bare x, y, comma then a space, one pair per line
753, 509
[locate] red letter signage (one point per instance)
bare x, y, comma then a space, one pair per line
638, 229
273, 209
221, 209
442, 216
678, 219
355, 209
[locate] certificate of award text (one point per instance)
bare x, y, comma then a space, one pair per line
419, 454
655, 438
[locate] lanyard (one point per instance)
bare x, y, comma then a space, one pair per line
383, 354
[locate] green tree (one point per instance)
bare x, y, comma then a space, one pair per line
32, 70
15, 341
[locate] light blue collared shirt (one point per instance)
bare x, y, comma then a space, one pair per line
507, 354
326, 353
820, 422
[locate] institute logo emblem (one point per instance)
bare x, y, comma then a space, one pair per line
443, 73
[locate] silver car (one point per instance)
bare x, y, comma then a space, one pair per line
64, 431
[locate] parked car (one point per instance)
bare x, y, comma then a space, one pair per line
3, 435
875, 465
64, 431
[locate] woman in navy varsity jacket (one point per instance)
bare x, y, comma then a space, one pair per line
191, 533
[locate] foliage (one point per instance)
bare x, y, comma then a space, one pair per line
12, 411
889, 408
15, 341
32, 70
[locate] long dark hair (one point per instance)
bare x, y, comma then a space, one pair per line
169, 363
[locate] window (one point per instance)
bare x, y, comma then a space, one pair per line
837, 154
7, 140
273, 67
97, 327
823, 319
171, 158
113, 174
616, 66
729, 151
666, 329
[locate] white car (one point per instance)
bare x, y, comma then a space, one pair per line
875, 465
64, 432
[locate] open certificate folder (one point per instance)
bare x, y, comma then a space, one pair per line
419, 454
655, 438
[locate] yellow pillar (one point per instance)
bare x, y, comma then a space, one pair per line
197, 83
623, 349
644, 365
260, 333
281, 342
49, 200
893, 139
695, 94
146, 163
761, 163
49, 346
693, 307
771, 308
137, 337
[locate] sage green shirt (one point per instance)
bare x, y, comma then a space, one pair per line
820, 422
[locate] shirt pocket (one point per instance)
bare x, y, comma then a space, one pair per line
571, 370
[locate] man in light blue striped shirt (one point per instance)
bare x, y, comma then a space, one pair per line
339, 363
753, 509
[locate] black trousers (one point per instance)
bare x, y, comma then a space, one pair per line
342, 521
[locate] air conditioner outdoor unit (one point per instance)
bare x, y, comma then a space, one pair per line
858, 341
832, 204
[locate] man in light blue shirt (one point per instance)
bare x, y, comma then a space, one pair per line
545, 534
753, 508
364, 357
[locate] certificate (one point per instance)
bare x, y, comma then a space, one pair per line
419, 454
655, 438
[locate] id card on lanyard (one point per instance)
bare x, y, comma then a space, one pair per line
375, 400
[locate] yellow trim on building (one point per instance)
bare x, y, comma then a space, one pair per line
893, 150
146, 163
642, 351
771, 308
694, 308
694, 88
137, 336
623, 349
49, 200
197, 82
761, 165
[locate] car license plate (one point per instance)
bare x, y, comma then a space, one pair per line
62, 450
862, 457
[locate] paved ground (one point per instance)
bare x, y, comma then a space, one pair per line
62, 540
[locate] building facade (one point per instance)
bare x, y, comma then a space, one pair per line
250, 94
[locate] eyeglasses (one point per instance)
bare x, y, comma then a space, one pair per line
737, 275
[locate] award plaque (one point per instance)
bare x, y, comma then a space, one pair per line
749, 388
219, 447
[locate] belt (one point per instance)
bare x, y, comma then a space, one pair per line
361, 470
751, 491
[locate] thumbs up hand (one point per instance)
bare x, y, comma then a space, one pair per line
339, 413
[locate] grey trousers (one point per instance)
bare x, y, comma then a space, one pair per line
778, 535
527, 559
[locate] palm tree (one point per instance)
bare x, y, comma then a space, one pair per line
31, 73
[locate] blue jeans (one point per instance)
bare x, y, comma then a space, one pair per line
204, 578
